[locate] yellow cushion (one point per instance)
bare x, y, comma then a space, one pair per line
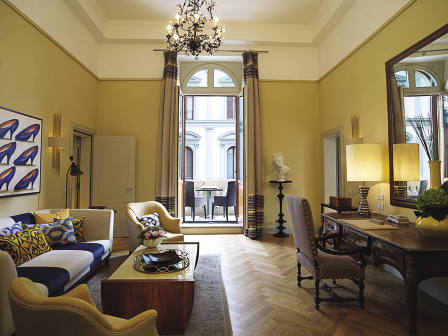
25, 245
46, 218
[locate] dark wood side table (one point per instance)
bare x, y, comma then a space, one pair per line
280, 220
327, 205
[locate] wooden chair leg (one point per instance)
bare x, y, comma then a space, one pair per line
334, 282
213, 211
299, 274
205, 211
316, 294
193, 211
361, 293
227, 213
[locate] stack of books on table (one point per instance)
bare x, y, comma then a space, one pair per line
397, 219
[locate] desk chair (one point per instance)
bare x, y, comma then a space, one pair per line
193, 201
71, 314
328, 265
226, 201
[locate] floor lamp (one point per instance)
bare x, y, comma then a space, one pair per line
74, 171
364, 163
406, 166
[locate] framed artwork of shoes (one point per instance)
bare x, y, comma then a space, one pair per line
20, 153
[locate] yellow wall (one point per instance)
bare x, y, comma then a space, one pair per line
290, 119
132, 108
358, 87
39, 79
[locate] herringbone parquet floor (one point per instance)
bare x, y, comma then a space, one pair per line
264, 299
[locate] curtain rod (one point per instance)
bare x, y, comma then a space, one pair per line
260, 51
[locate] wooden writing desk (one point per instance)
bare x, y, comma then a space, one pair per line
415, 256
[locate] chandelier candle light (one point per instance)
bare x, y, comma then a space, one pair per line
187, 32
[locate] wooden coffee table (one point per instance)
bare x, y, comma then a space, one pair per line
128, 292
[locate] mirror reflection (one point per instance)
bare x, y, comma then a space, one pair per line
418, 121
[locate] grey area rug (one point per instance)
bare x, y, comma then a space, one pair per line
210, 316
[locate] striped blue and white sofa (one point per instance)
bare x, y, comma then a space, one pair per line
64, 267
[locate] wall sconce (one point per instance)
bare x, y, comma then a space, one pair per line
364, 163
56, 142
406, 166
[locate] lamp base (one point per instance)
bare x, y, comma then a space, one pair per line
400, 191
363, 207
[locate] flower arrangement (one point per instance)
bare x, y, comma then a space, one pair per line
151, 232
434, 203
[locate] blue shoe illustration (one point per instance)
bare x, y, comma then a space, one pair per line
30, 153
6, 177
25, 182
25, 134
6, 151
8, 126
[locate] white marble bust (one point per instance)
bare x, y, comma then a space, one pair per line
277, 159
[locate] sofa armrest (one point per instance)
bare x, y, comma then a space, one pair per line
98, 224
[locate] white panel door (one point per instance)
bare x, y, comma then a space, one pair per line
113, 180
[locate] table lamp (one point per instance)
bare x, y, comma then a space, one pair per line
364, 163
406, 165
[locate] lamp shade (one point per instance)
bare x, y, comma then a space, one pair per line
56, 142
364, 162
406, 162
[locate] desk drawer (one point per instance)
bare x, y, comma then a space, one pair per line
330, 226
386, 254
355, 237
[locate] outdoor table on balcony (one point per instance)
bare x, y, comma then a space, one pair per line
209, 198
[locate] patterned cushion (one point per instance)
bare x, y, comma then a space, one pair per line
149, 220
79, 231
24, 245
17, 227
47, 218
59, 233
337, 267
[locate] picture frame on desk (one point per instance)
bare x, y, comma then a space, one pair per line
20, 153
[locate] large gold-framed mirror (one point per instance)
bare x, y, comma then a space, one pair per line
417, 99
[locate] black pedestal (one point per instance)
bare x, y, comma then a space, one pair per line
280, 220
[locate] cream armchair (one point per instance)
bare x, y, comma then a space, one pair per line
170, 225
72, 314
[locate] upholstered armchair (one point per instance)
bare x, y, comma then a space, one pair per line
8, 273
170, 225
71, 314
330, 264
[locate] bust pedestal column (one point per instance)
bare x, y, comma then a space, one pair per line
280, 220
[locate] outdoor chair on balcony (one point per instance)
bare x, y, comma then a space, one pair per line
226, 201
193, 201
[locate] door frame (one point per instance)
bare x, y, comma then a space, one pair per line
334, 133
88, 131
183, 157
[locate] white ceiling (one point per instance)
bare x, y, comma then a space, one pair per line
256, 22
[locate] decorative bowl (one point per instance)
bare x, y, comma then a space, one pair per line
152, 242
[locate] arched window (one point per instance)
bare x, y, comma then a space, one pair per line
208, 78
231, 162
424, 79
188, 163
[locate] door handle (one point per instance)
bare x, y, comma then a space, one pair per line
130, 189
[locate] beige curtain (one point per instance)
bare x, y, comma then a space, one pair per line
253, 222
399, 123
166, 174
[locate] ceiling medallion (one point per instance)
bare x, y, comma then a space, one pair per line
187, 32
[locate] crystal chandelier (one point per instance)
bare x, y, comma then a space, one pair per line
187, 32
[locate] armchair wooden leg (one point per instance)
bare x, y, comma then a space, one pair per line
361, 293
334, 282
299, 274
316, 294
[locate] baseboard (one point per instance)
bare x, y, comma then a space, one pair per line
427, 286
198, 229
120, 230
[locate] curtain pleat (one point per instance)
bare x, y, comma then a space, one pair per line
167, 146
399, 127
253, 224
